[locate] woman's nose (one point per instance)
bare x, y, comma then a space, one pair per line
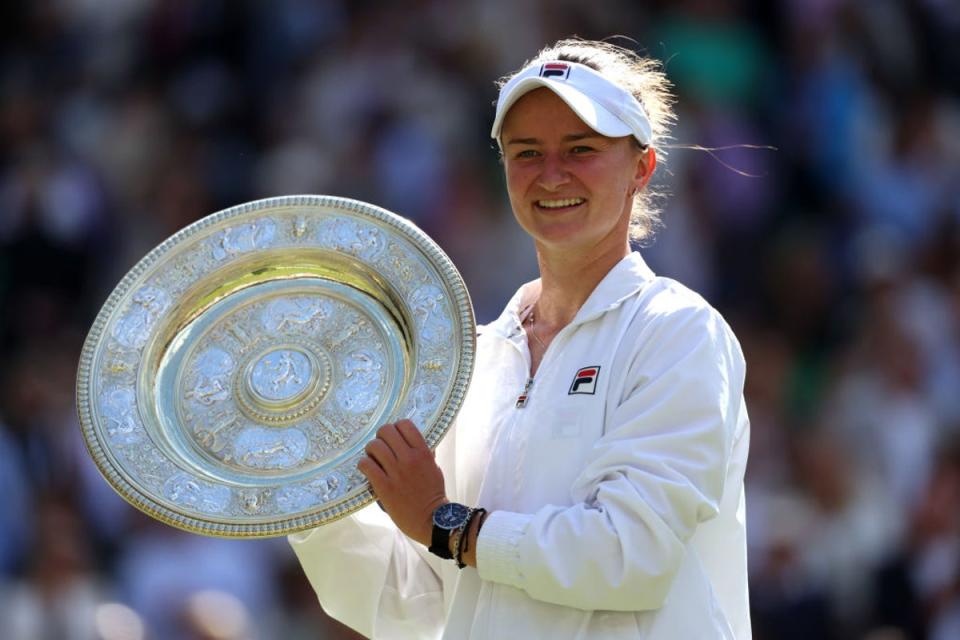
554, 173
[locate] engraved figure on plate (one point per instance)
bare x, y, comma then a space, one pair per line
281, 374
363, 375
430, 312
329, 486
209, 377
291, 499
260, 448
252, 501
425, 398
188, 491
283, 316
258, 234
119, 407
361, 240
146, 307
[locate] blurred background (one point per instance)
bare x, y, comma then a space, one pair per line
838, 264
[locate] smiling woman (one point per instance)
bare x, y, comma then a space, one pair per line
570, 187
635, 100
592, 486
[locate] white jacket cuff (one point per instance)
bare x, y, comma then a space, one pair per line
498, 547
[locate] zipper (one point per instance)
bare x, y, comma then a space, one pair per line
522, 398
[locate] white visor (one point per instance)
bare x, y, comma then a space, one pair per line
604, 106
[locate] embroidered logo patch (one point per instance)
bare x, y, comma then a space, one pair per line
585, 381
555, 70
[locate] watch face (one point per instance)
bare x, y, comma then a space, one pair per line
450, 515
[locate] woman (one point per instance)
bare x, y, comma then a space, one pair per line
604, 436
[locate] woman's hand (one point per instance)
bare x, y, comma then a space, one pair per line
405, 478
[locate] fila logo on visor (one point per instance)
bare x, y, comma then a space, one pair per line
555, 70
585, 381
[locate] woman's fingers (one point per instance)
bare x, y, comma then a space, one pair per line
398, 451
394, 441
374, 474
411, 435
404, 477
381, 453
388, 434
402, 437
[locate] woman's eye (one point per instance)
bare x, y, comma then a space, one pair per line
581, 149
528, 153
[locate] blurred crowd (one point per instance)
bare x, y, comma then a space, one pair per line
835, 256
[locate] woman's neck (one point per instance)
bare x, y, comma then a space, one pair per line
568, 278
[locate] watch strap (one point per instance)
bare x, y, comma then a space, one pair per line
440, 543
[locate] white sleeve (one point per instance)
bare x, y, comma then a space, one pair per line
371, 577
656, 473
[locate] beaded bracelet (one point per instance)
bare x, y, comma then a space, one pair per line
458, 534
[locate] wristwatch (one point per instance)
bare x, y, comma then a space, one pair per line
447, 518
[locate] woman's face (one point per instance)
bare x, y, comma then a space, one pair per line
569, 186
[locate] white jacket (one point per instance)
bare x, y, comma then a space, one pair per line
618, 502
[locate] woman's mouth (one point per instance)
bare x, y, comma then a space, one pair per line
560, 203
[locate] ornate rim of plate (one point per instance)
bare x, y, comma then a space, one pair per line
231, 379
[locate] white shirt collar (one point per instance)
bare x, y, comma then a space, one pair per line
623, 280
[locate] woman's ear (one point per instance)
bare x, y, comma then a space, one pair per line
645, 166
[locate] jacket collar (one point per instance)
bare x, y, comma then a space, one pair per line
626, 278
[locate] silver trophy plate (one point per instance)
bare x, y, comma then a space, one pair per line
231, 380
